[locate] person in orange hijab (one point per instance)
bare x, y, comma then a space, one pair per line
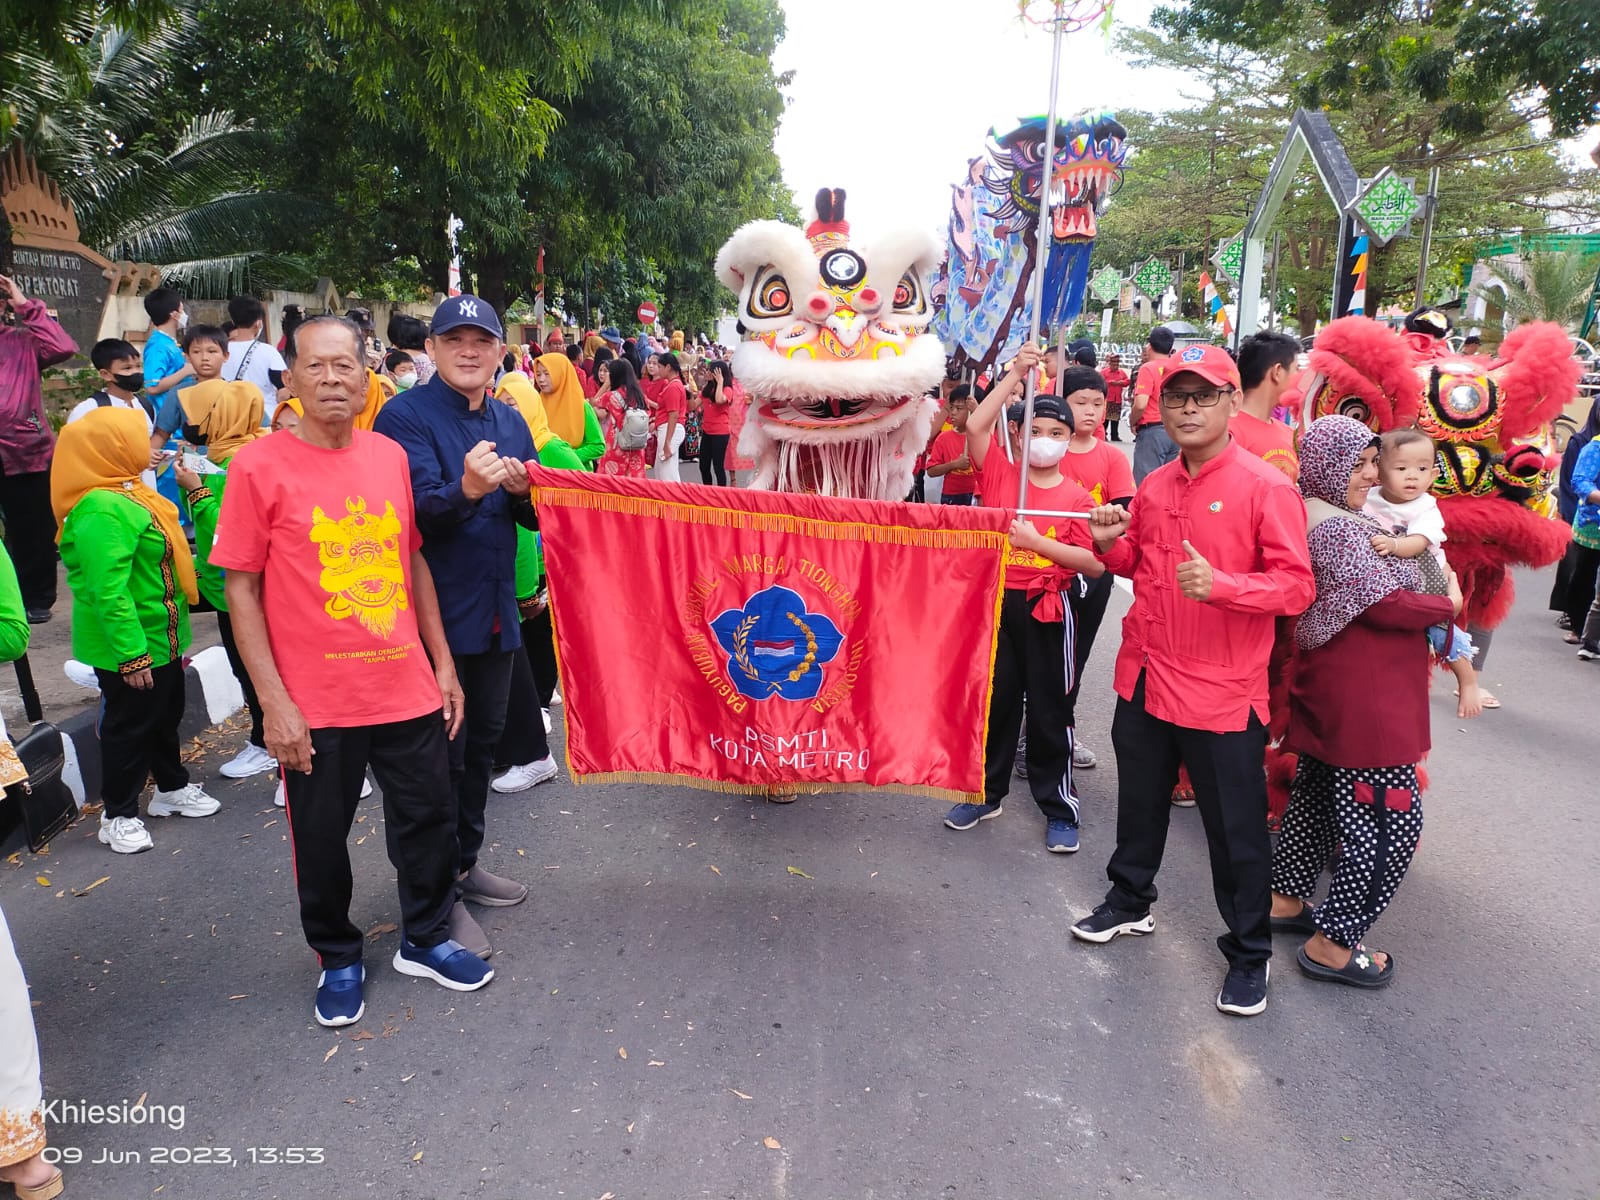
533, 403
571, 417
132, 579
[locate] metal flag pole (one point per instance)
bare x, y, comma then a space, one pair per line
1042, 238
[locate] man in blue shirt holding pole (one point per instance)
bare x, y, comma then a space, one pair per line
469, 480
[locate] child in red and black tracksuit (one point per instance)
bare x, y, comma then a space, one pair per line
1035, 658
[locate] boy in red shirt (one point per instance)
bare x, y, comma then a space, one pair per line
1152, 447
948, 458
1267, 364
1106, 475
1215, 543
1034, 658
1117, 381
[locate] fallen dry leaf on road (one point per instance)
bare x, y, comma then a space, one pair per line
713, 869
622, 1052
331, 1052
655, 1062
417, 1157
362, 1036
143, 1096
408, 1078
92, 886
630, 1126
43, 882
799, 872
772, 1143
240, 996
740, 1094
377, 931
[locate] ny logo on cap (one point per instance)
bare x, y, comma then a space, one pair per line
468, 308
1192, 354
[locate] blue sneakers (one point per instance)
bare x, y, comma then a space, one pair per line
965, 816
339, 999
1061, 837
449, 964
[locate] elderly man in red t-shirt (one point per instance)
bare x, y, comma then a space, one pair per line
1215, 543
337, 620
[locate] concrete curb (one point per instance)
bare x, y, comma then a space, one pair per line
211, 696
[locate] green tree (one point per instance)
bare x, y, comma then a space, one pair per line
1466, 56
1545, 285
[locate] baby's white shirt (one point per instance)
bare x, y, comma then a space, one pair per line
1419, 516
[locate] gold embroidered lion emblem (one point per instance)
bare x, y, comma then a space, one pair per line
361, 568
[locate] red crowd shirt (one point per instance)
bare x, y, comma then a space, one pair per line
1270, 441
1116, 383
1146, 383
1332, 714
947, 447
670, 397
1205, 664
1104, 472
332, 532
998, 481
714, 417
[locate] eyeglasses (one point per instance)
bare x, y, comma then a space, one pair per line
1209, 398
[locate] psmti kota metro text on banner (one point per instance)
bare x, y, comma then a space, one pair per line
738, 640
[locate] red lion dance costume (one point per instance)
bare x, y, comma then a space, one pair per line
1490, 420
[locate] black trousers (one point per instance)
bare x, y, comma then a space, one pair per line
486, 681
1033, 661
539, 636
1089, 610
1230, 789
1558, 589
1114, 424
230, 647
139, 737
30, 534
411, 761
962, 500
714, 457
1582, 565
524, 739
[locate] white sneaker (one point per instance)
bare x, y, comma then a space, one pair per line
81, 674
520, 779
547, 724
125, 835
1083, 758
188, 801
280, 798
555, 697
252, 760
366, 787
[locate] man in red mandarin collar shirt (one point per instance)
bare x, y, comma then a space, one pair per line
1215, 543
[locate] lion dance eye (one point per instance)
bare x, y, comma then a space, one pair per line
907, 295
770, 297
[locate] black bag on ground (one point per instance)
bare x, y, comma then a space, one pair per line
44, 801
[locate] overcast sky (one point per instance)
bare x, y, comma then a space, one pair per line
890, 100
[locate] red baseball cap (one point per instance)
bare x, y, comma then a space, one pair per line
1212, 363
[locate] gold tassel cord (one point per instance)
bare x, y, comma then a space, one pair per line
732, 518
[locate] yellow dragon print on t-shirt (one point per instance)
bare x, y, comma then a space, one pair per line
361, 568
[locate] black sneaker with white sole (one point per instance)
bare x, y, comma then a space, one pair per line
1244, 991
1587, 652
1105, 923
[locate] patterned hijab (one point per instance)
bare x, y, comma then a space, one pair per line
109, 448
1351, 576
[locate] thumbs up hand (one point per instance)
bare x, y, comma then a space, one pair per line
1194, 576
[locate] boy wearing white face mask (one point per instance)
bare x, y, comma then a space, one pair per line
1045, 566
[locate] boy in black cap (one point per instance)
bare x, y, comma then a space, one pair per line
1034, 658
469, 477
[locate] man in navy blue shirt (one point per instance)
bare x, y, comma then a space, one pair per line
470, 484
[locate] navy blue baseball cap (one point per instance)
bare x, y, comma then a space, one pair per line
460, 311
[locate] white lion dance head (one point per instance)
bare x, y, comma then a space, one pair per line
834, 355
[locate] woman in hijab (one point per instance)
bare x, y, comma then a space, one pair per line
571, 417
1358, 716
228, 416
132, 580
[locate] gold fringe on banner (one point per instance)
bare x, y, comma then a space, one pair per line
733, 518
949, 795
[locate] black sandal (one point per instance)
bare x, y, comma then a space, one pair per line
1361, 971
1300, 923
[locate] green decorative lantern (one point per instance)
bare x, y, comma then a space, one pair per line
1153, 278
1229, 258
1386, 205
1106, 284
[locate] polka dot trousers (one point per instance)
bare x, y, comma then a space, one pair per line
1373, 816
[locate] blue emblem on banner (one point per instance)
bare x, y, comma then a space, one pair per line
775, 647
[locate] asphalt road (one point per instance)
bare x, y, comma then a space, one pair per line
912, 1020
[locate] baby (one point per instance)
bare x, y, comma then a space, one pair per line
1402, 504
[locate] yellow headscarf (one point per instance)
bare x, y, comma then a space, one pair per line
108, 448
377, 396
520, 390
563, 405
592, 343
292, 404
227, 413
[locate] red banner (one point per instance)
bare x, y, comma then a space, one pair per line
740, 640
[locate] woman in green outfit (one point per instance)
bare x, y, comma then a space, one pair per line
227, 416
132, 579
